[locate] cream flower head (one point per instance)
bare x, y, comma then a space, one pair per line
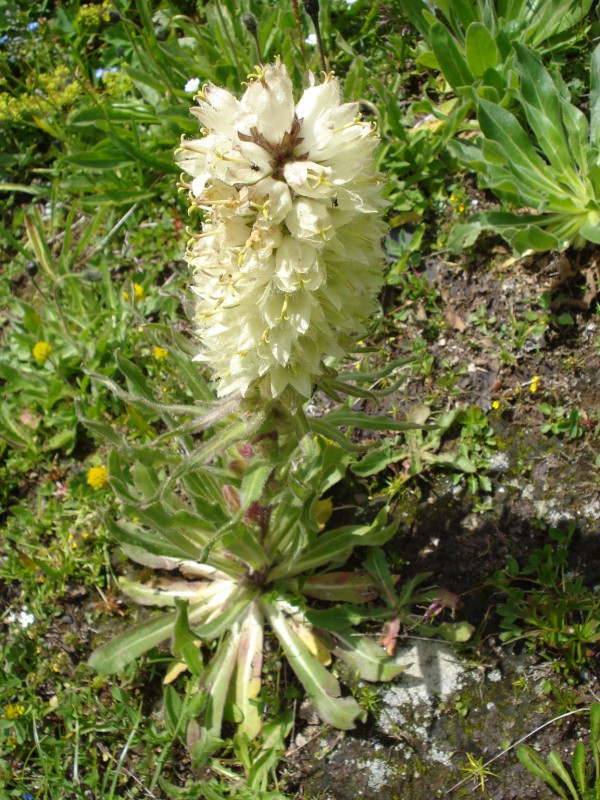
288, 263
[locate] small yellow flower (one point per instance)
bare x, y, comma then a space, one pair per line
97, 477
138, 289
535, 384
160, 354
495, 404
41, 352
13, 711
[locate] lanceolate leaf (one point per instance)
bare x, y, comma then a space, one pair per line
248, 672
341, 587
556, 765
357, 419
335, 546
579, 767
544, 113
135, 641
365, 657
152, 542
215, 684
185, 643
377, 567
254, 481
536, 766
452, 62
322, 687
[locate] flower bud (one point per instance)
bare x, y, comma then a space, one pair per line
31, 268
312, 8
250, 22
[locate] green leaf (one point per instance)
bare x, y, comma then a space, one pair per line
23, 188
185, 641
502, 127
140, 638
481, 50
376, 564
451, 60
116, 112
228, 618
173, 709
590, 229
536, 766
535, 239
542, 105
337, 618
100, 160
322, 687
253, 482
341, 587
248, 672
150, 541
366, 658
579, 767
556, 765
335, 546
375, 461
457, 632
358, 419
215, 683
595, 738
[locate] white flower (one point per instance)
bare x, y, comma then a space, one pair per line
192, 85
24, 618
288, 263
311, 39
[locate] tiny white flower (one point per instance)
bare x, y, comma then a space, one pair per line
192, 85
311, 39
288, 262
24, 618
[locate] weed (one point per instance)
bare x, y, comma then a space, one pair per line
548, 608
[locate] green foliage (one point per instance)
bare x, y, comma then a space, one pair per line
72, 312
251, 557
421, 448
561, 421
577, 781
563, 187
548, 609
470, 42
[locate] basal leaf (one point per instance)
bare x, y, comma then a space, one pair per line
365, 657
481, 51
452, 62
248, 672
323, 689
135, 641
